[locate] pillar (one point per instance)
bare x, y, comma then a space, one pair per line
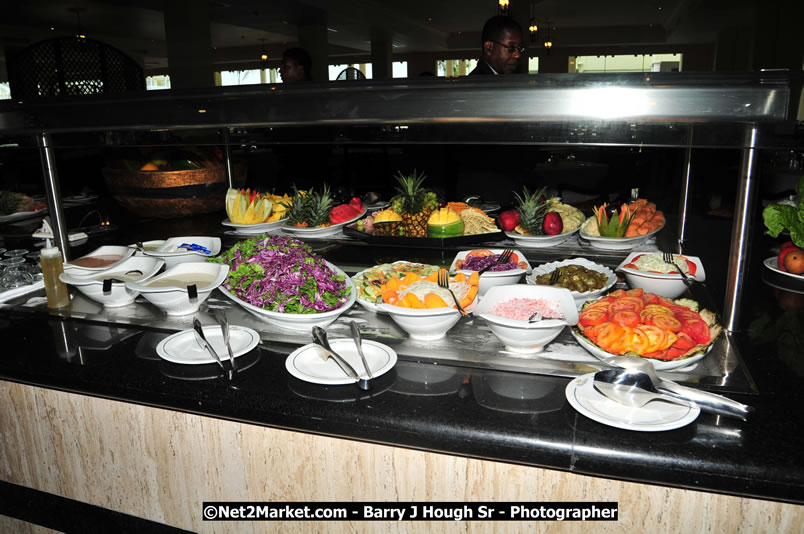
189, 44
313, 37
381, 56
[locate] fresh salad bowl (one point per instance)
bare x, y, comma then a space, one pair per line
647, 270
181, 289
283, 283
368, 282
507, 309
496, 276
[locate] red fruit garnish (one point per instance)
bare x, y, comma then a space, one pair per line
509, 220
343, 213
553, 225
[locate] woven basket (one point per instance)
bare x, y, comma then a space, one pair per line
169, 194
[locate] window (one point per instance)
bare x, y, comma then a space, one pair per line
154, 83
5, 91
628, 63
449, 68
365, 68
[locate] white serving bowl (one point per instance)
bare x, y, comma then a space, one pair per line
520, 336
617, 243
106, 251
668, 285
580, 297
170, 252
298, 322
174, 298
90, 283
493, 278
424, 324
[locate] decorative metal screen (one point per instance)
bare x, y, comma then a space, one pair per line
72, 66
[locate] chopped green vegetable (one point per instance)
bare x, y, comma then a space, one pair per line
779, 217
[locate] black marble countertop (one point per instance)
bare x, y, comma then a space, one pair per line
455, 409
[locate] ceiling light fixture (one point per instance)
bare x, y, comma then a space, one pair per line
77, 10
503, 7
263, 55
548, 41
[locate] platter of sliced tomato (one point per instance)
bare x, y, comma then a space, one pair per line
672, 333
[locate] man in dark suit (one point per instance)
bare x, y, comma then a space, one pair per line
501, 46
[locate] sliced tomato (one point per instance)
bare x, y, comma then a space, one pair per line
666, 321
698, 330
658, 354
609, 335
671, 338
479, 252
666, 301
628, 318
640, 342
621, 345
684, 342
655, 309
647, 298
634, 304
630, 266
692, 268
604, 304
656, 336
617, 293
683, 313
673, 353
592, 331
594, 316
636, 292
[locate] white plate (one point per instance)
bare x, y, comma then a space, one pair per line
618, 243
320, 232
538, 241
306, 363
254, 229
772, 263
182, 347
580, 297
660, 365
655, 416
21, 215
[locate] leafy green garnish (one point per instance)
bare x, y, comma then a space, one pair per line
779, 217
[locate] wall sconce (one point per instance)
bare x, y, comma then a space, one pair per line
263, 56
503, 6
548, 41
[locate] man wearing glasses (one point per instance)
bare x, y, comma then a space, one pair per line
501, 46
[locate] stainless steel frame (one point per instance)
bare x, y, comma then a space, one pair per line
630, 110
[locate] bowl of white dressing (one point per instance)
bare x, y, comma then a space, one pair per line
181, 289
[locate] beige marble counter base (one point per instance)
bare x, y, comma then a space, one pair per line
160, 465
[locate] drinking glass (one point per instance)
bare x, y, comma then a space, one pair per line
15, 273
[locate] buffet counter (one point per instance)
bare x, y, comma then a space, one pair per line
90, 412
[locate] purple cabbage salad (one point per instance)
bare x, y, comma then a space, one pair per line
281, 274
476, 263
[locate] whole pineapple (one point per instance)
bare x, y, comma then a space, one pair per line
310, 208
532, 208
320, 204
413, 203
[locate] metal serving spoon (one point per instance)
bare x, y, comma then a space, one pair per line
631, 388
708, 402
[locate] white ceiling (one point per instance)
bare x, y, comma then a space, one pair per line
240, 28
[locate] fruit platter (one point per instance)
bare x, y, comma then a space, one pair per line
539, 221
671, 333
417, 217
251, 212
630, 226
313, 213
17, 206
